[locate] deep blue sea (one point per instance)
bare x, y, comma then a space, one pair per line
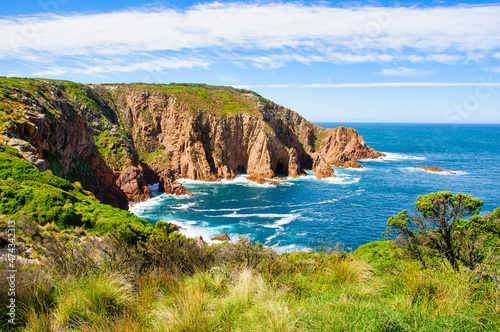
353, 208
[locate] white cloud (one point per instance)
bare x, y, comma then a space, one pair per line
339, 35
155, 65
404, 71
369, 85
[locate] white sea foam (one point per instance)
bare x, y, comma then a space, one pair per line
234, 209
352, 169
414, 169
146, 205
189, 181
289, 248
242, 180
184, 207
255, 215
342, 180
239, 180
342, 177
329, 201
389, 156
191, 228
286, 219
272, 237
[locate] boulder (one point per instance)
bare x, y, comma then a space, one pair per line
222, 237
260, 180
134, 184
171, 186
321, 168
199, 241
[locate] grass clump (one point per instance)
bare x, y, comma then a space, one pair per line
158, 280
90, 300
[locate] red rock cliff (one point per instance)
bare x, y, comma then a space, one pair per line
118, 139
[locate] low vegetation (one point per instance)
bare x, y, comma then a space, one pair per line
216, 100
154, 279
49, 200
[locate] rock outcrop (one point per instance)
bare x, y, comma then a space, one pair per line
222, 237
133, 183
173, 187
343, 146
199, 241
118, 139
28, 152
320, 167
434, 169
261, 180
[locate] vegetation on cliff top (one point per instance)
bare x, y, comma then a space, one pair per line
47, 199
216, 100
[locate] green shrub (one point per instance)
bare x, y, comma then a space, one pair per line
46, 198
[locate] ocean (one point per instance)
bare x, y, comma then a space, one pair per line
351, 209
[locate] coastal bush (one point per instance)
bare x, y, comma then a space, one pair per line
440, 229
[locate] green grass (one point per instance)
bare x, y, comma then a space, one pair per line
46, 198
220, 101
247, 288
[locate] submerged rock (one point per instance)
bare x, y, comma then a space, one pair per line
261, 180
434, 169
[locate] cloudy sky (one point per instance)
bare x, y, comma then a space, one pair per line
363, 61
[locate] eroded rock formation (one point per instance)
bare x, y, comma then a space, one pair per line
118, 139
321, 168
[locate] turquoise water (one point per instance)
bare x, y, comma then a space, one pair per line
353, 208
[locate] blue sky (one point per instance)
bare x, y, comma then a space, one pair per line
365, 61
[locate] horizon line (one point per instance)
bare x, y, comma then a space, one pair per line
371, 85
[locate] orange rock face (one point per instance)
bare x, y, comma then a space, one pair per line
321, 168
134, 184
342, 146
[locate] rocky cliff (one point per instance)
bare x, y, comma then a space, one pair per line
116, 139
